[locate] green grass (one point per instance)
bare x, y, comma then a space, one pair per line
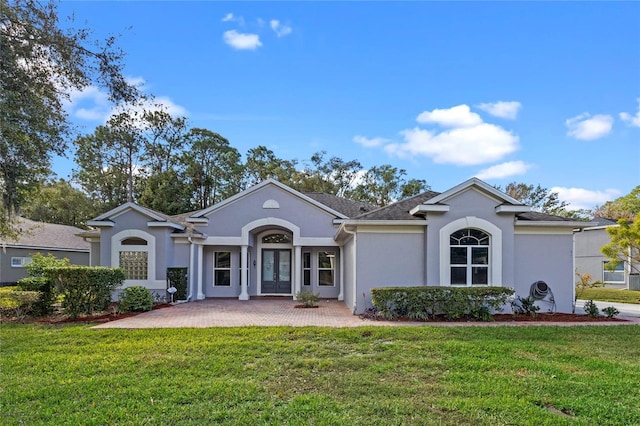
299, 376
610, 295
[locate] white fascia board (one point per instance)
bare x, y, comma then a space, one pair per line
503, 208
189, 235
552, 223
429, 208
165, 225
471, 183
357, 222
199, 220
101, 223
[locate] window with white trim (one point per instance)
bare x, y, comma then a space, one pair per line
20, 262
135, 264
613, 276
469, 257
326, 268
222, 268
306, 268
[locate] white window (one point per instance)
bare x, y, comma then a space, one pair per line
469, 257
613, 276
135, 264
20, 262
222, 268
326, 268
134, 252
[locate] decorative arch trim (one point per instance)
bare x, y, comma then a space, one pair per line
150, 248
495, 260
271, 221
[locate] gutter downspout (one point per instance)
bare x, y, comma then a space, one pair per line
573, 260
355, 266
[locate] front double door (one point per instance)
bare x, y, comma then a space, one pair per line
276, 271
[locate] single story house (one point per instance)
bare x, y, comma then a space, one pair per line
44, 238
271, 240
590, 260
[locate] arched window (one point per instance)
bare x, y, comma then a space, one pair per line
134, 252
276, 239
469, 257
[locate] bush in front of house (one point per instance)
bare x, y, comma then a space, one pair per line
136, 299
44, 305
16, 303
307, 298
85, 290
423, 303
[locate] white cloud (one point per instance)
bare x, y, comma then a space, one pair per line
228, 17
510, 168
369, 143
580, 198
484, 143
242, 41
586, 128
502, 109
457, 116
632, 120
280, 30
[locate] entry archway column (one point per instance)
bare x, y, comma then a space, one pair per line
297, 270
244, 293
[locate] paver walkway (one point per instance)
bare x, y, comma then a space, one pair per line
276, 312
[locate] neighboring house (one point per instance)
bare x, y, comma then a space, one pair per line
272, 240
39, 237
590, 260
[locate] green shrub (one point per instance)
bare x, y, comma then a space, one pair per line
39, 263
16, 303
422, 303
525, 305
136, 299
591, 309
307, 298
44, 305
610, 311
85, 289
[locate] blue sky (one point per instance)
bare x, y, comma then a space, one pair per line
544, 93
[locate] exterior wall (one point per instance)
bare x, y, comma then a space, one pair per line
95, 254
229, 220
388, 258
470, 203
549, 258
589, 258
9, 275
349, 274
163, 248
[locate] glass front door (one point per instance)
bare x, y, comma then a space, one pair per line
276, 271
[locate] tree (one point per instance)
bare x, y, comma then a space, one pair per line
212, 168
538, 198
262, 164
109, 161
163, 136
626, 207
383, 185
331, 176
41, 66
59, 202
167, 192
624, 245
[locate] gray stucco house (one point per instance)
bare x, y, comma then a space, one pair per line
44, 238
589, 258
272, 240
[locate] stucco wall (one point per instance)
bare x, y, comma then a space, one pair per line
549, 258
589, 258
10, 275
386, 259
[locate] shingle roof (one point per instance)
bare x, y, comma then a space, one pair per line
49, 235
538, 216
345, 206
601, 221
398, 210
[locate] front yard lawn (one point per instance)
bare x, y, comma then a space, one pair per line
610, 295
281, 375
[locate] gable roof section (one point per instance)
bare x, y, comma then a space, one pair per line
202, 214
509, 204
400, 210
41, 235
156, 218
349, 208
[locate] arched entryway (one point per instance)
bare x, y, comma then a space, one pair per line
276, 263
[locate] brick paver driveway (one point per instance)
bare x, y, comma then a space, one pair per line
275, 312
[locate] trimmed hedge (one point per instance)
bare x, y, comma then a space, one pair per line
136, 299
423, 303
85, 289
17, 303
44, 305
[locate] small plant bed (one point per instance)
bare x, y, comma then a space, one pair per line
111, 314
371, 314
